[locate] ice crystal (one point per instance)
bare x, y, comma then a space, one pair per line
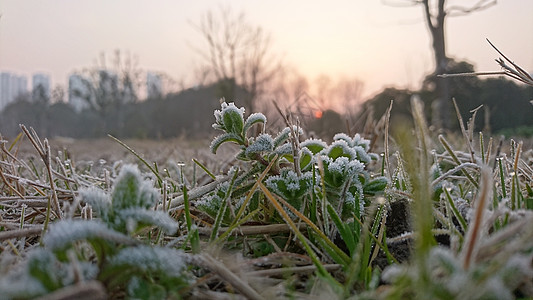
253, 119
340, 148
291, 186
362, 155
314, 145
262, 143
284, 134
357, 140
343, 165
284, 149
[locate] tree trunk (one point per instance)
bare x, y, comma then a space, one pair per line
436, 28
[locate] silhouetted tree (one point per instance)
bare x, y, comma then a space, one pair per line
435, 14
236, 53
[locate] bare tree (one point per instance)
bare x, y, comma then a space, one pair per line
237, 53
435, 14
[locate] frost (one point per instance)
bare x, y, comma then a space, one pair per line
41, 273
132, 216
285, 133
340, 148
63, 233
307, 159
284, 149
225, 108
98, 200
253, 119
314, 145
131, 191
357, 140
344, 166
229, 118
343, 137
362, 155
290, 186
262, 143
226, 137
152, 260
360, 141
20, 284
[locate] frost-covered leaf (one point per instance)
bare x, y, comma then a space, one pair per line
65, 232
362, 155
132, 217
233, 119
254, 118
290, 186
314, 145
226, 137
343, 137
358, 140
284, 149
339, 171
152, 260
130, 190
283, 136
262, 143
42, 265
98, 200
306, 159
340, 149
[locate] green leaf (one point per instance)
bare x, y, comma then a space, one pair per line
223, 138
254, 118
376, 186
42, 266
314, 145
344, 230
126, 192
233, 121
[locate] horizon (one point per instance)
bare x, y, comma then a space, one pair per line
382, 46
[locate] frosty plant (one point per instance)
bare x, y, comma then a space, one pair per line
316, 182
291, 177
70, 247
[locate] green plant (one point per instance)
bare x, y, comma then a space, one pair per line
106, 249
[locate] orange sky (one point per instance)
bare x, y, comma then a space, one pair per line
379, 44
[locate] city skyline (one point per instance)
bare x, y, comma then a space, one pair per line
376, 43
77, 91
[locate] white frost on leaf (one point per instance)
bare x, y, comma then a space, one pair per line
98, 200
133, 216
148, 259
63, 233
262, 143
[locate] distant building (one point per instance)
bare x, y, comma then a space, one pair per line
154, 85
79, 92
40, 87
11, 86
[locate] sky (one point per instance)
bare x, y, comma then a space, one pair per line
379, 44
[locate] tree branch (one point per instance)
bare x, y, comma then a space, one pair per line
457, 11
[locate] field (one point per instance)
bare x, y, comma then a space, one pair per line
414, 215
